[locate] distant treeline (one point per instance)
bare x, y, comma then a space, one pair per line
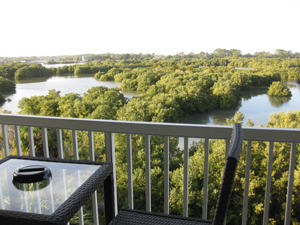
218, 53
285, 62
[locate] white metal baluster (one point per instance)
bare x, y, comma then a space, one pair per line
75, 144
166, 174
1, 197
32, 153
31, 141
94, 196
148, 173
18, 140
91, 145
186, 177
45, 142
5, 139
25, 200
37, 195
51, 197
76, 157
19, 152
59, 143
268, 185
129, 171
80, 211
110, 157
289, 198
46, 155
65, 186
247, 183
61, 156
205, 182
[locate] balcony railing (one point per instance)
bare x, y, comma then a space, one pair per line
166, 130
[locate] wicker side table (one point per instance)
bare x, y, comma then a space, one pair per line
71, 185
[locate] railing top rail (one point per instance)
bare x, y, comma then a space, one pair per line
150, 128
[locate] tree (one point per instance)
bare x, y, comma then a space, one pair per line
226, 93
242, 81
235, 53
220, 53
282, 53
279, 90
6, 85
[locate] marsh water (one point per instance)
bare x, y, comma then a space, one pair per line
64, 84
255, 104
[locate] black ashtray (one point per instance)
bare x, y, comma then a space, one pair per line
31, 174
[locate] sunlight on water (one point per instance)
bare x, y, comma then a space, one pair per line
64, 84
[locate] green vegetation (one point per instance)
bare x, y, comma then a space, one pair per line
34, 70
284, 63
58, 62
104, 103
259, 162
51, 62
279, 89
6, 86
97, 103
218, 53
8, 70
169, 89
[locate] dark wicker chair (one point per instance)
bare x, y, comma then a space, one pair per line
129, 216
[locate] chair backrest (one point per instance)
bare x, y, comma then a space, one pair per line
229, 174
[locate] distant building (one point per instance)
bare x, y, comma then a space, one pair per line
83, 58
159, 57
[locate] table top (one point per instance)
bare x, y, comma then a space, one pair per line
71, 182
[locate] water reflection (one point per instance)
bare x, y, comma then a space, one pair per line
292, 86
218, 116
247, 95
44, 79
278, 101
256, 105
31, 80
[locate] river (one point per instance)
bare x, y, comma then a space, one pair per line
256, 104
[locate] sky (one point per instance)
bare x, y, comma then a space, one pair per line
163, 27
